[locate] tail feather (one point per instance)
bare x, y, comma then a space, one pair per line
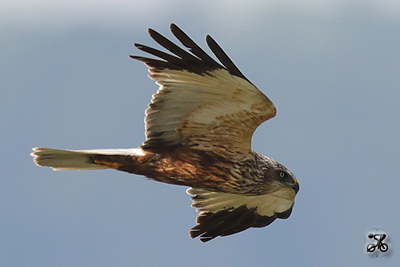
59, 159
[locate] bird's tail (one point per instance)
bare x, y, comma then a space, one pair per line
61, 160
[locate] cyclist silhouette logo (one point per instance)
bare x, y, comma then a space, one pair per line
380, 243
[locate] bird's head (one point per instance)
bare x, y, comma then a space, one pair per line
278, 176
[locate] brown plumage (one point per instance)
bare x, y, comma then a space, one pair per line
198, 133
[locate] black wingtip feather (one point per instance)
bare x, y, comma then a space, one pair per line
173, 48
193, 47
198, 61
158, 53
223, 57
228, 222
222, 223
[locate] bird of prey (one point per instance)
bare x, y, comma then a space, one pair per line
198, 130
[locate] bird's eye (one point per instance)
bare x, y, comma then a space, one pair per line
282, 174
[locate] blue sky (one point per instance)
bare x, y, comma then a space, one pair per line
331, 68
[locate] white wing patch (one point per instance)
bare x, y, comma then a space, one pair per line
265, 205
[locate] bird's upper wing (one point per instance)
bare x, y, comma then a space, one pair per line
200, 102
223, 214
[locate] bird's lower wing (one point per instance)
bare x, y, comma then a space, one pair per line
223, 214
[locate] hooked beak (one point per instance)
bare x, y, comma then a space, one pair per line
296, 187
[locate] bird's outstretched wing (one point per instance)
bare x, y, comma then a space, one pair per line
201, 103
223, 214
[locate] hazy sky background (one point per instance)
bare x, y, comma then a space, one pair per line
332, 68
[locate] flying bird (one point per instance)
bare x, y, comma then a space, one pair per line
198, 130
